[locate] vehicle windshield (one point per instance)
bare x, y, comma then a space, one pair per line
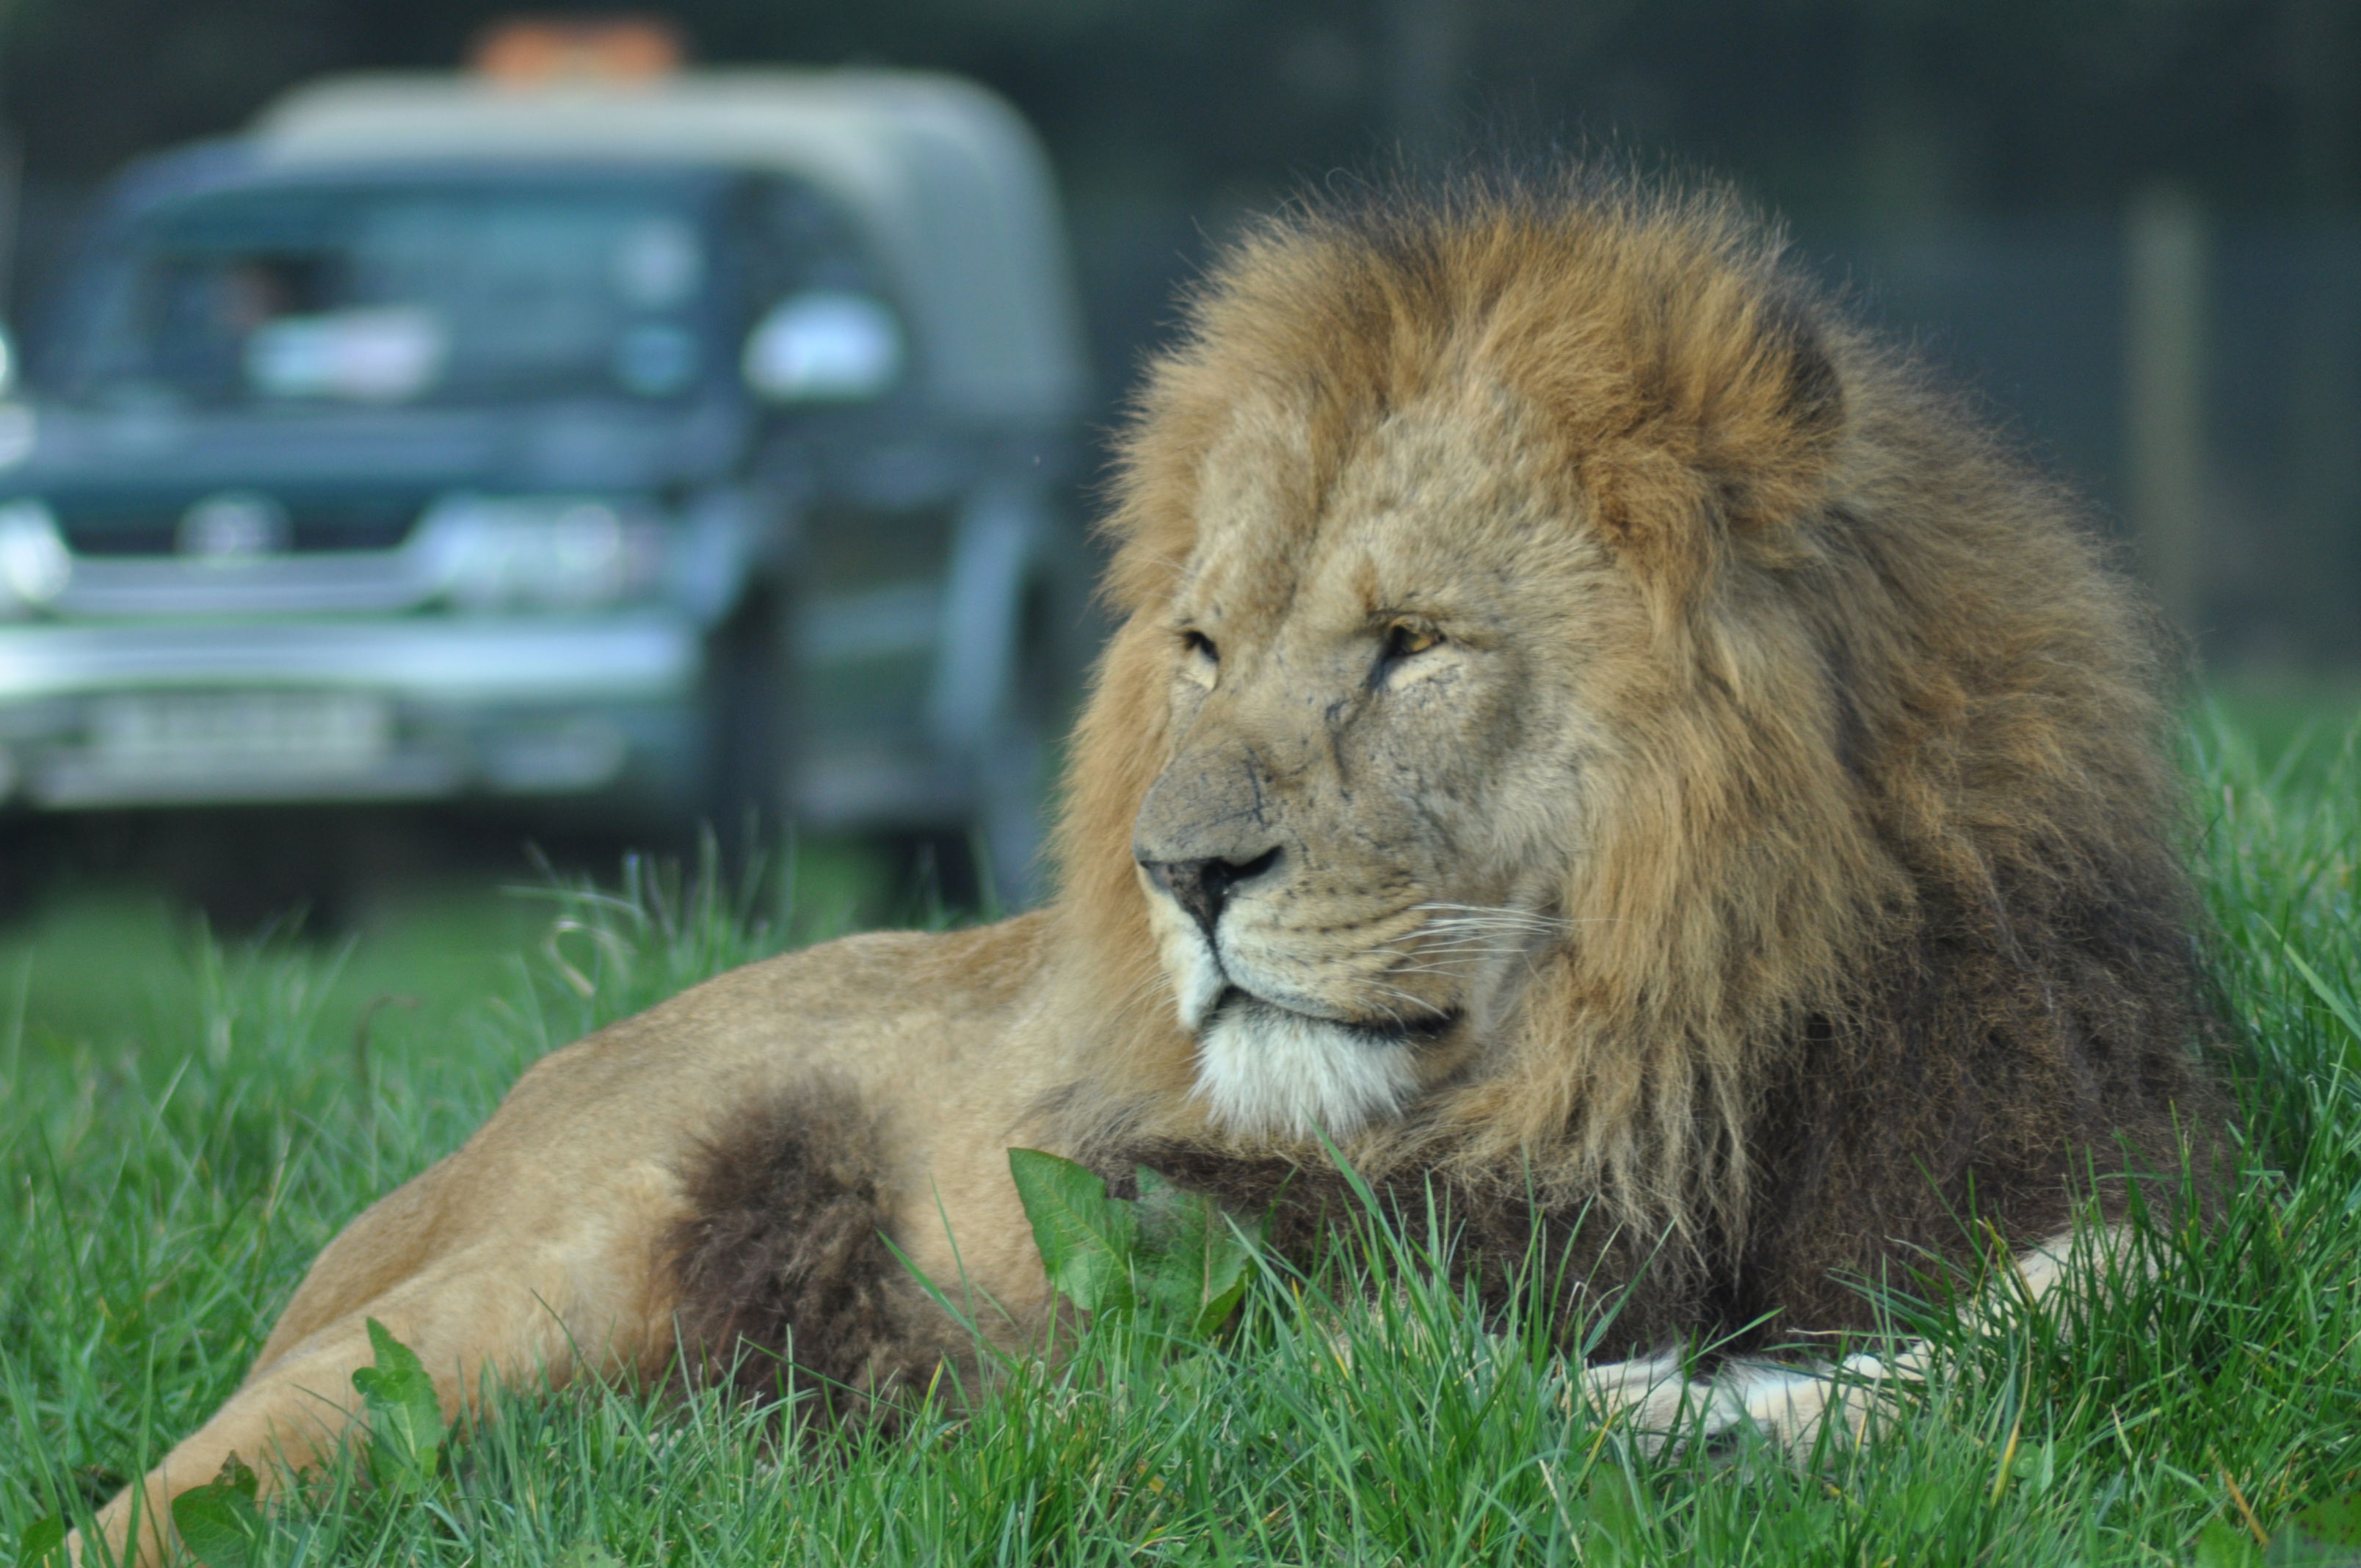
404, 295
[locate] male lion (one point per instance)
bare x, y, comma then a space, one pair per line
1589, 734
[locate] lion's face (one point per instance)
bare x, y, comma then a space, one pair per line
1385, 702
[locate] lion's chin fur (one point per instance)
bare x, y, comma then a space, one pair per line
1263, 1071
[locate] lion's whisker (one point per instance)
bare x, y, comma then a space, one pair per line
1495, 912
1470, 941
1144, 989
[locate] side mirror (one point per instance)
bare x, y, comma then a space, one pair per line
824, 347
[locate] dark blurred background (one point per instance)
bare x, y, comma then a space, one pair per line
2059, 200
2133, 227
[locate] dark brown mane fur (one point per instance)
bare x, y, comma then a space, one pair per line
1888, 926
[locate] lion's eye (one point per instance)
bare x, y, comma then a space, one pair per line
1197, 642
1404, 641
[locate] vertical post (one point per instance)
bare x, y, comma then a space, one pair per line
2165, 269
12, 185
2313, 583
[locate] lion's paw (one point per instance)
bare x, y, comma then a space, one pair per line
1787, 1404
1658, 1401
1795, 1406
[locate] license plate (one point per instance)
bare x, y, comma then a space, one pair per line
258, 731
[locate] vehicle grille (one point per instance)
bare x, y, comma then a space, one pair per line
152, 528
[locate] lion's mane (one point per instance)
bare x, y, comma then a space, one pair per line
1883, 924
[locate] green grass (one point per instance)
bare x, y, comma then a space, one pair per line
178, 1142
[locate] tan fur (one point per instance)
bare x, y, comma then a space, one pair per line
1827, 655
1765, 855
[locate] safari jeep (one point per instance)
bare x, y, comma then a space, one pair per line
652, 451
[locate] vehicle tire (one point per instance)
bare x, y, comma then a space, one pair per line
253, 869
30, 855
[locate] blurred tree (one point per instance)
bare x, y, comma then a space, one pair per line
2001, 102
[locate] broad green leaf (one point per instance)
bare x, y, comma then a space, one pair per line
2326, 1535
1196, 1257
1086, 1238
238, 1477
405, 1420
2221, 1544
43, 1545
588, 1554
1614, 1512
2034, 1467
218, 1521
2336, 1522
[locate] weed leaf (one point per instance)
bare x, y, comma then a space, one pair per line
218, 1521
405, 1420
2221, 1544
588, 1554
2326, 1535
2333, 1523
1614, 1510
43, 1545
1086, 1238
1196, 1257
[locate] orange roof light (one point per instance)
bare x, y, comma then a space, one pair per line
527, 50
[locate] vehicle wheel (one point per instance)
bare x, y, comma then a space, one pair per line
30, 858
252, 870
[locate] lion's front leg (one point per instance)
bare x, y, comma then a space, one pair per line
1787, 1402
1796, 1405
286, 1419
549, 1290
475, 1316
719, 1172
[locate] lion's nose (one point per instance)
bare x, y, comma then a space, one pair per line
1201, 887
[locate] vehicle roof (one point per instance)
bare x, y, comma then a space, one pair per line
945, 178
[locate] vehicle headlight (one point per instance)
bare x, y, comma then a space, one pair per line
541, 552
824, 347
35, 564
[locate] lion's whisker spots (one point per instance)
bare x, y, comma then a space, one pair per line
1475, 919
1424, 1008
1457, 960
1495, 912
1471, 945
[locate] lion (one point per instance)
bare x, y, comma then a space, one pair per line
1591, 741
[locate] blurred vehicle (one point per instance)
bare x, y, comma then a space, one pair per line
640, 450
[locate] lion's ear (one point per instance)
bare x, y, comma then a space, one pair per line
1816, 400
1720, 422
1767, 433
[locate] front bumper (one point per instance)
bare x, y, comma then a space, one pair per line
408, 708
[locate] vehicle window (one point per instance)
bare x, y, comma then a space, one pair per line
801, 243
406, 295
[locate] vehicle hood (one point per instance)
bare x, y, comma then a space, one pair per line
553, 447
